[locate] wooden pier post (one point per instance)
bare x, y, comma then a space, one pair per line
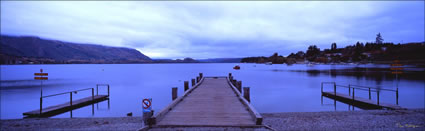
146, 117
353, 93
193, 82
230, 74
186, 85
174, 93
201, 75
246, 94
239, 86
198, 79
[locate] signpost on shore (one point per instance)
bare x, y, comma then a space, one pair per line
147, 110
147, 105
40, 76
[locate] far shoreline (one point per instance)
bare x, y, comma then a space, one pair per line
315, 63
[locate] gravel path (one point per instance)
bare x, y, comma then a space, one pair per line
412, 119
113, 123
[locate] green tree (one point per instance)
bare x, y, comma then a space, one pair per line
379, 39
333, 46
312, 52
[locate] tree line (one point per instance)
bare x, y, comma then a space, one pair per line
378, 51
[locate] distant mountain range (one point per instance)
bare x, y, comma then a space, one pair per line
26, 49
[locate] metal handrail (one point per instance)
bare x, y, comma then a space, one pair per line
66, 92
374, 88
70, 94
377, 90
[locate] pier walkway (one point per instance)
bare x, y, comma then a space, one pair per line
213, 102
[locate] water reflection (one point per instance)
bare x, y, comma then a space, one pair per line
274, 88
375, 74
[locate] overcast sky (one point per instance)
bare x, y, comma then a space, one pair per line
173, 29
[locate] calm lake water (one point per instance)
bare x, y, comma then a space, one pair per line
274, 88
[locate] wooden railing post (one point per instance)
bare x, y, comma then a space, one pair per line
239, 87
173, 93
369, 94
201, 75
246, 94
197, 79
193, 82
186, 85
353, 93
230, 74
97, 89
396, 96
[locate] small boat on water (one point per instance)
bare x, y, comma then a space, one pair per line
237, 67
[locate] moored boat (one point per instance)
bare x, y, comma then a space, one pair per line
237, 67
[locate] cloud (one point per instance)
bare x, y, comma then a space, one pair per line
176, 29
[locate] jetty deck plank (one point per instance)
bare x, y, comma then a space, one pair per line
364, 103
214, 102
60, 108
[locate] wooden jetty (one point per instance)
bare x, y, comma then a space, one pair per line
212, 102
68, 106
360, 102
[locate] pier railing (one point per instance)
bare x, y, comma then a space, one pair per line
70, 94
101, 85
158, 117
362, 88
236, 85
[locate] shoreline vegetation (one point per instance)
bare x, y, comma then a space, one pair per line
359, 53
410, 119
35, 50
